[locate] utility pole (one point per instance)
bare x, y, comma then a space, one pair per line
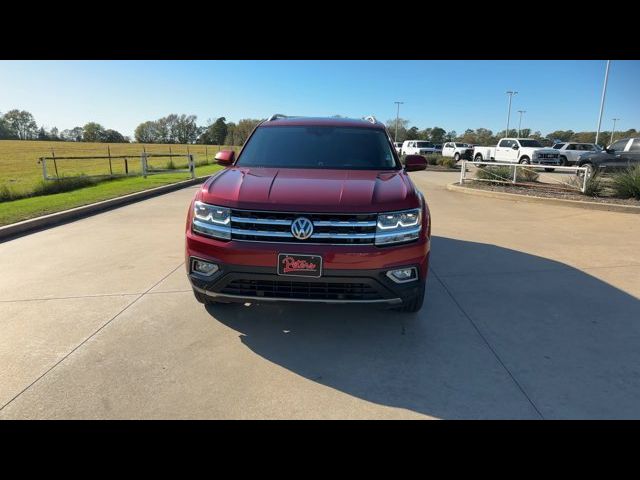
604, 93
395, 139
614, 130
520, 122
511, 94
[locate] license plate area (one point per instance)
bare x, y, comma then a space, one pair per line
295, 265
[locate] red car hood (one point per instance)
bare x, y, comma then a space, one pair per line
289, 189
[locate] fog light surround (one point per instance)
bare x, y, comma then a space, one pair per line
203, 267
403, 275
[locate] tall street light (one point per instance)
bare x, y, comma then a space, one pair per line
614, 130
520, 122
604, 93
511, 94
395, 139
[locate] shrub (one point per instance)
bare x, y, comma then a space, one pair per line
527, 175
432, 159
448, 162
594, 186
47, 187
627, 184
495, 175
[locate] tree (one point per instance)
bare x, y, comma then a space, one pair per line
402, 129
218, 131
21, 124
437, 135
113, 136
231, 134
451, 135
185, 129
92, 132
244, 129
412, 134
525, 132
54, 134
146, 132
42, 134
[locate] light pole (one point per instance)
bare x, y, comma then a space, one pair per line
511, 94
395, 139
604, 93
614, 130
520, 122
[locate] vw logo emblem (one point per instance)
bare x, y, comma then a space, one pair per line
302, 228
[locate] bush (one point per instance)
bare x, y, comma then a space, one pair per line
448, 162
47, 187
432, 159
495, 175
627, 184
527, 175
594, 186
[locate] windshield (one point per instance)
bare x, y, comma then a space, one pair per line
461, 145
348, 148
530, 143
558, 146
424, 144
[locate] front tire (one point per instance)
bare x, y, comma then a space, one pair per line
590, 169
563, 161
478, 158
525, 161
456, 157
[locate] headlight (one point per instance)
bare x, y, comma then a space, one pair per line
212, 220
395, 227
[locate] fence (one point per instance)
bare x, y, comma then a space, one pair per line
127, 165
512, 179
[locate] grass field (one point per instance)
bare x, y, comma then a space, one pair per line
22, 175
20, 171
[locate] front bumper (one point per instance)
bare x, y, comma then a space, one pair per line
236, 283
546, 161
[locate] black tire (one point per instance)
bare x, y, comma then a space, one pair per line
549, 169
525, 161
456, 157
591, 170
478, 158
563, 161
207, 300
414, 304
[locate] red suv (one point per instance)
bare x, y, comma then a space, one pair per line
311, 210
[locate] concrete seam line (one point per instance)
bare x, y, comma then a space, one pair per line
610, 207
495, 354
97, 295
88, 338
76, 213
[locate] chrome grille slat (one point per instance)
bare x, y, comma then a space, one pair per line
338, 228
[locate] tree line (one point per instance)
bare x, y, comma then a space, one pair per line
484, 136
183, 129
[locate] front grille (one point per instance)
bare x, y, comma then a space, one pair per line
548, 155
343, 229
301, 290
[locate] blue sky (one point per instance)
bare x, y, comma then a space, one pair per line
454, 95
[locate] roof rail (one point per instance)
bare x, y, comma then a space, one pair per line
370, 118
275, 116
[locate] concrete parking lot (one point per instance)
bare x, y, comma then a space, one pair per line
531, 311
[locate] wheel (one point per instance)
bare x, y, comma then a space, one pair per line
206, 299
456, 157
549, 169
478, 158
525, 161
563, 161
414, 304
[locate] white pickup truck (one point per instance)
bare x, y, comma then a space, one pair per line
518, 150
417, 147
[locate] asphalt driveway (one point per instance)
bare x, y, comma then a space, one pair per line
531, 311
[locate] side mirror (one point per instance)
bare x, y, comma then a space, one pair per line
515, 147
413, 163
609, 150
225, 157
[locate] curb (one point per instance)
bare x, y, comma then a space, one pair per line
46, 221
610, 207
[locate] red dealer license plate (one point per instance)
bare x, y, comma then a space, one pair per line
299, 265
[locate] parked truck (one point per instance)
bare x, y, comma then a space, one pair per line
518, 150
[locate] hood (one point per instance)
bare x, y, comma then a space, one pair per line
289, 189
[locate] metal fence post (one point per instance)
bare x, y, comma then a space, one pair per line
462, 171
110, 166
143, 164
515, 173
55, 165
584, 182
44, 167
192, 167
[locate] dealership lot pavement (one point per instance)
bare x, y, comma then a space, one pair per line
531, 312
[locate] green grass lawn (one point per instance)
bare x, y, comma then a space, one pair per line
21, 173
23, 209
